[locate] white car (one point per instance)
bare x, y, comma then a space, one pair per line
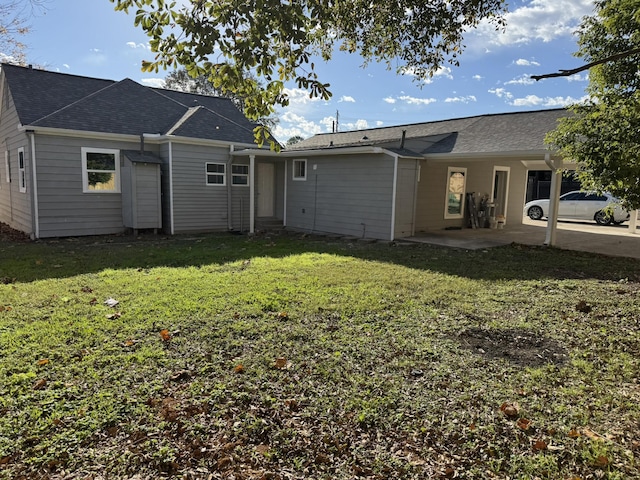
581, 206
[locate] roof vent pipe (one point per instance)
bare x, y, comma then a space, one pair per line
404, 135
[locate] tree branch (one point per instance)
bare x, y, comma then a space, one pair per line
567, 73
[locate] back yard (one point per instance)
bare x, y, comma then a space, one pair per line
221, 356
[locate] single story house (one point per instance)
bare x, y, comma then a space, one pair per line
87, 156
392, 182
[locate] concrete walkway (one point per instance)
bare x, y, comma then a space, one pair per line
581, 236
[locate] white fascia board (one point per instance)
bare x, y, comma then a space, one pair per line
312, 152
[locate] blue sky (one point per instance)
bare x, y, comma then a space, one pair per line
89, 38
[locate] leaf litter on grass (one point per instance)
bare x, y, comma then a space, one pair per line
329, 390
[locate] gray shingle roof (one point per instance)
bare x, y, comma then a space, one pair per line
484, 134
55, 100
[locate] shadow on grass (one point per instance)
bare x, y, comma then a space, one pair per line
60, 258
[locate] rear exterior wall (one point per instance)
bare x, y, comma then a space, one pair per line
347, 195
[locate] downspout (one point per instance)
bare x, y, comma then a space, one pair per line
393, 197
252, 194
36, 213
171, 224
229, 179
556, 183
286, 183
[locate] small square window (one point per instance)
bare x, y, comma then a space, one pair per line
215, 174
100, 170
299, 169
240, 175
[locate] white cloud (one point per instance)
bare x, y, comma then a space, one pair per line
390, 100
292, 124
66, 65
357, 125
526, 63
153, 82
347, 98
467, 99
416, 101
379, 123
477, 77
548, 102
440, 72
521, 80
136, 46
298, 96
543, 20
578, 78
501, 93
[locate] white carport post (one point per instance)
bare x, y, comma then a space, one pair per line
556, 183
252, 194
633, 221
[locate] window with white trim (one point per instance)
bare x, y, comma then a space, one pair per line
240, 175
100, 170
456, 189
22, 176
215, 174
299, 169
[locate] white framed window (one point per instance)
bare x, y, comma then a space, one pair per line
456, 189
240, 175
7, 176
299, 169
215, 174
100, 170
22, 176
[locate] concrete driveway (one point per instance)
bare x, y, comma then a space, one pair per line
581, 236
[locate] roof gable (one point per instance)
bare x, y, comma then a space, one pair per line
62, 101
37, 93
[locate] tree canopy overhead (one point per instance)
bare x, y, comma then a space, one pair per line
603, 135
276, 40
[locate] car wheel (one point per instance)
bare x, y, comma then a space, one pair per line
602, 218
535, 213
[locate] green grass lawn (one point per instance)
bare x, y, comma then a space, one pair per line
300, 357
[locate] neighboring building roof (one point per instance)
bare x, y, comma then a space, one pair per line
55, 100
483, 134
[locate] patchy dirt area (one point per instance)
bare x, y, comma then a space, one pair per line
522, 347
9, 234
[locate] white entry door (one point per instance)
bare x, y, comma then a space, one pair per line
265, 189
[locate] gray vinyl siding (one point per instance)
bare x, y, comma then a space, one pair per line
432, 190
64, 209
347, 195
15, 206
240, 205
198, 207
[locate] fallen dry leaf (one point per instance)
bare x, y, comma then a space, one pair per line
86, 289
510, 409
523, 424
573, 433
42, 362
583, 307
111, 302
262, 449
539, 445
587, 432
601, 461
114, 316
40, 384
165, 335
129, 343
282, 315
280, 363
239, 368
